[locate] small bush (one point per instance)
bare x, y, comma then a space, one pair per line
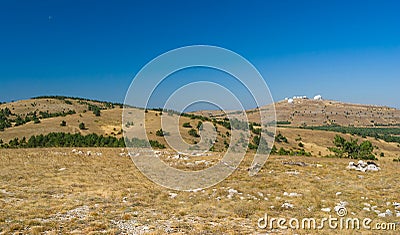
193, 133
187, 125
161, 133
280, 138
82, 126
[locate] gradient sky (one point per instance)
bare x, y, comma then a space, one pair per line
344, 50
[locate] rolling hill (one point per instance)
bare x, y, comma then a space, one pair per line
292, 120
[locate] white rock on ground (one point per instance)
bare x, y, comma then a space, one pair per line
388, 212
231, 193
287, 205
292, 194
327, 209
173, 195
382, 215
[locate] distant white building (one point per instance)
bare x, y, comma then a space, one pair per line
318, 97
290, 100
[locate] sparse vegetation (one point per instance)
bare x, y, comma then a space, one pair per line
280, 138
95, 109
199, 125
59, 114
156, 144
187, 125
284, 152
193, 133
160, 132
82, 126
4, 121
386, 134
351, 149
65, 140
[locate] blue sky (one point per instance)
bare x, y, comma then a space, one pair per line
344, 50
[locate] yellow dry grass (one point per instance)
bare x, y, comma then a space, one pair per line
57, 191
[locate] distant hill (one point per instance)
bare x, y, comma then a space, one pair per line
308, 112
44, 115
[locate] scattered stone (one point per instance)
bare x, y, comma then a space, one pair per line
293, 172
338, 193
201, 162
388, 212
295, 163
231, 193
287, 205
382, 215
173, 195
79, 213
363, 166
327, 209
62, 169
292, 194
366, 209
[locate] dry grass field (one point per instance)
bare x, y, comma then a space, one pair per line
100, 190
53, 191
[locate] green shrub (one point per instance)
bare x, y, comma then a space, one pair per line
187, 125
280, 138
193, 133
82, 126
351, 149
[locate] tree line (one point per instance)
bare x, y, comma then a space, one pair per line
386, 134
60, 139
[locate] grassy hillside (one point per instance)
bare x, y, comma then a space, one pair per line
108, 123
307, 112
100, 191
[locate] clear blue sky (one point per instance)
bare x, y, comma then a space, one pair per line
344, 50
